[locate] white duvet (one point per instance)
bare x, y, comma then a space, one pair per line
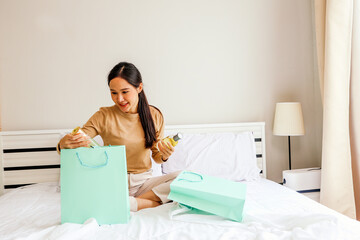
271, 212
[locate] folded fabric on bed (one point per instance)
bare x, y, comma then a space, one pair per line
226, 155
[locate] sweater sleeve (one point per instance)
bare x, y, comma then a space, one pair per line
92, 127
159, 127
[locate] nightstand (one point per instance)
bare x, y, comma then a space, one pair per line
306, 181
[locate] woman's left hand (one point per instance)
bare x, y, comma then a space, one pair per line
166, 149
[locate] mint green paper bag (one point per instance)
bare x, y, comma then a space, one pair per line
94, 184
210, 194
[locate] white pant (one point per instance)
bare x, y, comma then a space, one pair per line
144, 182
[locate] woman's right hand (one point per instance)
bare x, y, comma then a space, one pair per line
74, 141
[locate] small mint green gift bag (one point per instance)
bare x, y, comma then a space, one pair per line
94, 184
210, 194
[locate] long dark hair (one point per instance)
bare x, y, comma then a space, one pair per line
131, 74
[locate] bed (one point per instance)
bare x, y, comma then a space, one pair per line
30, 201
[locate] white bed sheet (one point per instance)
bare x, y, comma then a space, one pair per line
271, 212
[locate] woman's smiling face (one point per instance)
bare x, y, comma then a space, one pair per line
125, 95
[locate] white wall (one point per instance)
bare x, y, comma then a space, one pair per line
201, 62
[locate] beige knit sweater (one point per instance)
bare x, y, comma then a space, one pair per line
118, 128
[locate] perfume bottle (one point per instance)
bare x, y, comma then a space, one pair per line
92, 143
173, 140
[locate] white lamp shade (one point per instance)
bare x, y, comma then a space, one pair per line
288, 119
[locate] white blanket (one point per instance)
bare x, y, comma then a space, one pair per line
271, 212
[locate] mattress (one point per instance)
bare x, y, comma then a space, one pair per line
272, 211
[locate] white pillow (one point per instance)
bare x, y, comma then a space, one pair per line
226, 155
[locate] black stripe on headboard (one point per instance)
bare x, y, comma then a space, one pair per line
16, 185
47, 149
31, 167
258, 140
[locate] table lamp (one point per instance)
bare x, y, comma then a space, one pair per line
288, 121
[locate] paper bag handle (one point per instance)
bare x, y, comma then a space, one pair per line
96, 166
184, 179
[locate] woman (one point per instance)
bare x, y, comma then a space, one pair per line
138, 126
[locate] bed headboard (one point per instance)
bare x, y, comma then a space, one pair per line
28, 157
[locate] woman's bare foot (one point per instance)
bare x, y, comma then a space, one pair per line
146, 203
148, 200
